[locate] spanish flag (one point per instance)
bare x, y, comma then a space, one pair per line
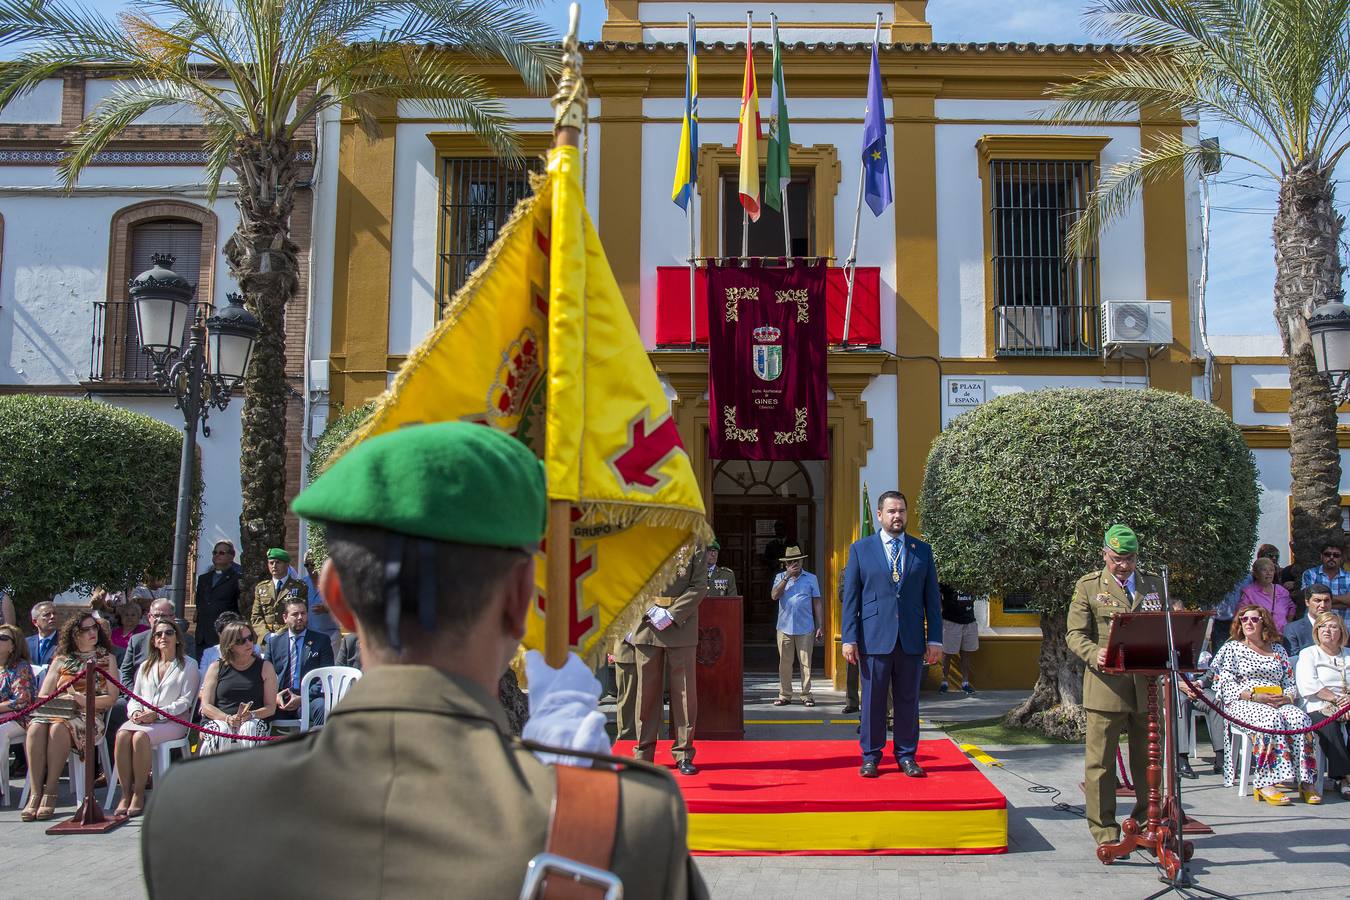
540, 344
686, 163
748, 133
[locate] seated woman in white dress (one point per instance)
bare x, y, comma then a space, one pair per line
1322, 682
1253, 675
168, 680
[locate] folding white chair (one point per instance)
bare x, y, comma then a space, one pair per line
335, 681
75, 769
1244, 760
14, 740
159, 762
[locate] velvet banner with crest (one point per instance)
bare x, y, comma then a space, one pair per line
767, 361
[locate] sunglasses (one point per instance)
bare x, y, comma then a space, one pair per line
244, 640
88, 629
7, 638
160, 634
1249, 618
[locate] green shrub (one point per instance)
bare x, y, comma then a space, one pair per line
88, 496
328, 442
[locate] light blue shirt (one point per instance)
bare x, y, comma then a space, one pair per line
1340, 584
886, 549
795, 613
317, 621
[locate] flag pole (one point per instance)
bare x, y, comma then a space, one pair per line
569, 105
852, 262
782, 188
693, 262
745, 213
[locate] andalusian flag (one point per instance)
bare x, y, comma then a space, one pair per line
865, 529
540, 344
686, 163
748, 133
779, 168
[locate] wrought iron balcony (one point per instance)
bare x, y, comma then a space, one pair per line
115, 355
1047, 330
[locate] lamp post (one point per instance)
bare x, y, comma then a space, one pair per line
1329, 330
200, 375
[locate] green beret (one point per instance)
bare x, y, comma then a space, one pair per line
278, 553
713, 545
1121, 539
450, 481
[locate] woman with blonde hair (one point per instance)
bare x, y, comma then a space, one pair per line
168, 680
59, 727
1322, 683
239, 694
16, 683
1253, 675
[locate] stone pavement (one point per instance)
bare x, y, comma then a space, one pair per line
1050, 855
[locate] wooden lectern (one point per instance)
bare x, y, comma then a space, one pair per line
1137, 645
719, 673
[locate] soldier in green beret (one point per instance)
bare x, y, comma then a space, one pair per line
721, 580
1113, 703
271, 595
415, 787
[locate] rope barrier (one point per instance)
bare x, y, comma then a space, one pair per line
42, 701
172, 718
1123, 771
1283, 732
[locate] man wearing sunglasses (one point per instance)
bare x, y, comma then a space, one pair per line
217, 592
1331, 573
1113, 703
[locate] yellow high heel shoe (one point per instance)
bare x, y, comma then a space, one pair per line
1271, 796
1309, 795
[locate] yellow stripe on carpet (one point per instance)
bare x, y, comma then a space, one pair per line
976, 829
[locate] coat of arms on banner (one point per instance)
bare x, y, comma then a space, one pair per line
767, 353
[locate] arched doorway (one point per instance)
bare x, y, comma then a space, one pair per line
759, 509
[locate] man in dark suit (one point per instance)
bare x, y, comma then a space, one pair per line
892, 628
1298, 633
349, 650
217, 592
294, 653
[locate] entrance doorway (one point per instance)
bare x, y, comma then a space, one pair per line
759, 510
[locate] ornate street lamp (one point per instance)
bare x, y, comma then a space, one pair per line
198, 379
1329, 329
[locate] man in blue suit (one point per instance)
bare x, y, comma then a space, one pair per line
294, 652
892, 628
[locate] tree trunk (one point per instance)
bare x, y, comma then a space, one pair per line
1055, 706
1307, 274
263, 260
514, 701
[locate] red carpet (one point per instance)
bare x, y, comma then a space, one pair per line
757, 798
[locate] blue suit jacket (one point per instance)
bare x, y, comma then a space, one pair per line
1298, 634
317, 654
876, 615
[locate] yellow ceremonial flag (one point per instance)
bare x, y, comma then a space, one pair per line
540, 343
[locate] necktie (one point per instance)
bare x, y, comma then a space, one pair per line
295, 662
895, 560
279, 584
1129, 597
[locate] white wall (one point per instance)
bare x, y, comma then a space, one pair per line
882, 469
1000, 385
41, 106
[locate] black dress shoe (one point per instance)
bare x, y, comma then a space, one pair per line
687, 767
848, 709
911, 768
1218, 764
1184, 768
869, 769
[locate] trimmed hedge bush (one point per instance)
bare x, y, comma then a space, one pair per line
328, 442
88, 496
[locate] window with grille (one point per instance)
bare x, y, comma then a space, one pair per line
183, 241
1045, 303
478, 195
766, 235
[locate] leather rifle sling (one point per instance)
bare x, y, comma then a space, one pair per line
582, 827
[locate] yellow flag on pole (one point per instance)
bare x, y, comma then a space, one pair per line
540, 343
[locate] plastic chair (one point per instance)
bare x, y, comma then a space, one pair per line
159, 763
1244, 762
14, 740
335, 681
75, 768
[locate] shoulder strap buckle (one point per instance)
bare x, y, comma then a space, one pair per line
580, 875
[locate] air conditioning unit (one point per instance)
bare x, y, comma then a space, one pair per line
1136, 323
1028, 328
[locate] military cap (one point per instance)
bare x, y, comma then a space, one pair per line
714, 545
279, 553
449, 481
1121, 539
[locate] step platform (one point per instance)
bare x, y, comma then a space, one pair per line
805, 798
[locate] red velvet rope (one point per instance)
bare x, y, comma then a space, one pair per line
1249, 727
1124, 774
172, 718
42, 701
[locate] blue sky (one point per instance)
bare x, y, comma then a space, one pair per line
1242, 268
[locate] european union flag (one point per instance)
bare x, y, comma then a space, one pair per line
876, 162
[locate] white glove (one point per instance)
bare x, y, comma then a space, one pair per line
564, 709
660, 619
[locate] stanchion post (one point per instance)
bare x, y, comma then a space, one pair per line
89, 817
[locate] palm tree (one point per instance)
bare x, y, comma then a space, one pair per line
1278, 70
257, 72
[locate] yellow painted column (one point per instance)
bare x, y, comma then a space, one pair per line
914, 173
1166, 276
358, 360
621, 185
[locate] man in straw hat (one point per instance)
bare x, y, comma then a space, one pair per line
415, 787
1114, 703
801, 623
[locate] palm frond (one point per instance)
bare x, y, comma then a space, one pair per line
112, 115
220, 147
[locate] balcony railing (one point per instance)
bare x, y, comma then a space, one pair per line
115, 350
1048, 330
